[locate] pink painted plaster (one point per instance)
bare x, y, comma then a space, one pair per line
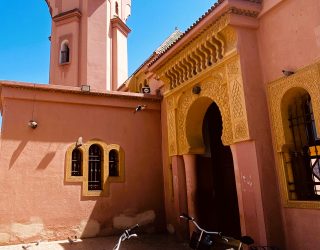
33, 160
288, 37
94, 43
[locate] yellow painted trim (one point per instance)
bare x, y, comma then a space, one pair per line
68, 167
104, 169
314, 150
106, 180
119, 178
307, 80
221, 84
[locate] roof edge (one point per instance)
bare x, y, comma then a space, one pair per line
67, 14
75, 90
222, 7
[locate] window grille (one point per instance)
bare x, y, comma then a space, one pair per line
76, 168
113, 163
305, 153
95, 164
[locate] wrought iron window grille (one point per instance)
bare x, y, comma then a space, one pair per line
76, 167
95, 166
305, 154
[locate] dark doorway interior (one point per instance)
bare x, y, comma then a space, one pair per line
216, 198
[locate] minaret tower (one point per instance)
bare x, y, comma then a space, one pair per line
89, 43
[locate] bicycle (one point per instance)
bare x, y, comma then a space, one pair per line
125, 236
206, 240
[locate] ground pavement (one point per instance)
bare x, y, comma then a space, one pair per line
143, 242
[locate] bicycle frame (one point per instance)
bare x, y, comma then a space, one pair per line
243, 240
125, 236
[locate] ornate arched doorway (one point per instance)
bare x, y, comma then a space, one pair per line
211, 193
216, 195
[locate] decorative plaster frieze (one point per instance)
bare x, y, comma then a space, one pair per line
307, 79
237, 103
223, 85
204, 52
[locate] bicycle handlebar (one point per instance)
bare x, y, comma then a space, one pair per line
133, 228
128, 231
244, 239
186, 217
189, 218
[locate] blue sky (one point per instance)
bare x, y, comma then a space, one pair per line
153, 21
26, 25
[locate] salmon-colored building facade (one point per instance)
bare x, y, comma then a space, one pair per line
227, 134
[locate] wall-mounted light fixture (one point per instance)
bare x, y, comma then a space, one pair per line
196, 90
146, 90
32, 124
85, 88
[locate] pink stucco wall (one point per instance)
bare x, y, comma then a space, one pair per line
302, 227
96, 45
259, 129
288, 37
68, 73
35, 200
119, 53
92, 44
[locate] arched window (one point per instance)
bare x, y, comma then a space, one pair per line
117, 8
95, 168
76, 167
64, 52
113, 163
303, 166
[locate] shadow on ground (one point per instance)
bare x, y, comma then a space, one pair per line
143, 242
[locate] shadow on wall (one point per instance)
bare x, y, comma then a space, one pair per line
17, 153
45, 161
100, 225
111, 214
95, 7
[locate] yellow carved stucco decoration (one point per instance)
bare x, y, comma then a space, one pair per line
207, 50
307, 79
211, 61
238, 111
221, 84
